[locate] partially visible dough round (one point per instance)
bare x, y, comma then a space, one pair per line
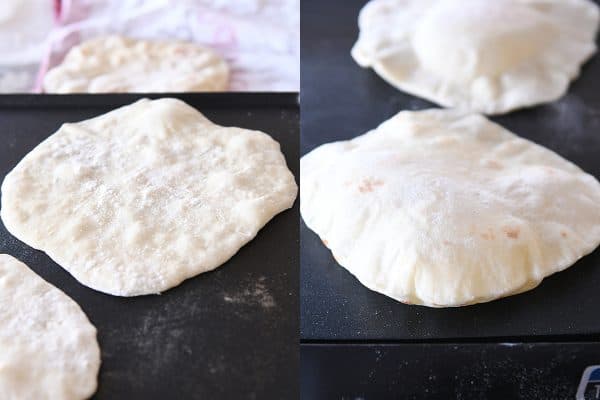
478, 55
444, 209
139, 199
48, 347
117, 64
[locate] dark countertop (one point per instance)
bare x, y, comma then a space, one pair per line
340, 100
229, 333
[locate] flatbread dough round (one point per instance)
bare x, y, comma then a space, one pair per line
444, 209
478, 55
119, 64
48, 347
139, 199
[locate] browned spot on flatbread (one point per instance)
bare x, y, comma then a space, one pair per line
488, 235
493, 164
182, 51
368, 185
563, 234
447, 243
511, 232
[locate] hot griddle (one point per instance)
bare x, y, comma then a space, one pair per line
229, 333
339, 101
482, 371
358, 344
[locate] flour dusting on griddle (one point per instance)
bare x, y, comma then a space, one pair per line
257, 293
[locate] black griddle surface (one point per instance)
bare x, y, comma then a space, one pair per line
478, 371
339, 101
189, 342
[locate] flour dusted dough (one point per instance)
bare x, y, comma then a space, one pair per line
478, 55
48, 347
119, 64
443, 209
137, 200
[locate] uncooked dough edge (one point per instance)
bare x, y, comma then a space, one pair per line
167, 284
34, 278
77, 273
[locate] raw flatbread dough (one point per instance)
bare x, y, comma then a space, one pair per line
48, 347
478, 55
119, 64
139, 199
443, 209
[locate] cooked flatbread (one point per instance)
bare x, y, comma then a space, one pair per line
444, 209
118, 64
478, 55
48, 347
137, 200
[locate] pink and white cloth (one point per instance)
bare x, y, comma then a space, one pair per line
260, 39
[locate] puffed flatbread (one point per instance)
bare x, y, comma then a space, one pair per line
478, 55
444, 209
